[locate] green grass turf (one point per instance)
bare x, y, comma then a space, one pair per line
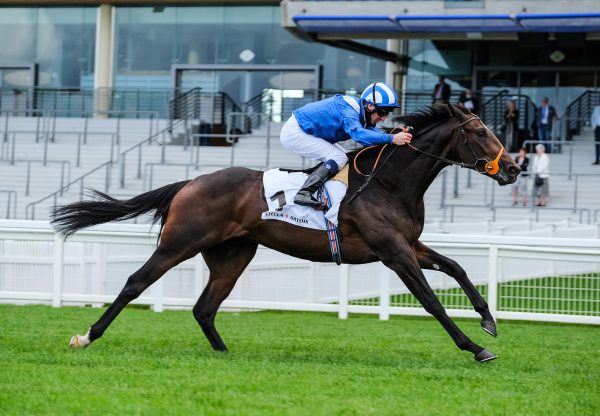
290, 363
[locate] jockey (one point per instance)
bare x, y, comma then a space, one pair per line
314, 130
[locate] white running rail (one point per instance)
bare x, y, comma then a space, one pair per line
526, 278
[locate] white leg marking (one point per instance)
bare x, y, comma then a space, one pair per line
78, 341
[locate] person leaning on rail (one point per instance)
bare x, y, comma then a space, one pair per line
314, 130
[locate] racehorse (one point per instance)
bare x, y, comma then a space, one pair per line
219, 216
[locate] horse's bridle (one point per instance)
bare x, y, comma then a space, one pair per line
481, 165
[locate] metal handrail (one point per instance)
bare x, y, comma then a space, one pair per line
30, 208
580, 110
535, 209
63, 163
76, 100
53, 114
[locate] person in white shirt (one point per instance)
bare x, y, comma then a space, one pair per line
596, 128
541, 170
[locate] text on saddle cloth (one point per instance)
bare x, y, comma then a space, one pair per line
281, 188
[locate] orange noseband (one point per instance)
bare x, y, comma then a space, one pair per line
493, 166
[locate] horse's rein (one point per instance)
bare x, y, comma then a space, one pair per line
490, 168
375, 169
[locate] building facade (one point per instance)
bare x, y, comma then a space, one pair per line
484, 45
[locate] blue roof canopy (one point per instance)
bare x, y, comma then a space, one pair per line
523, 22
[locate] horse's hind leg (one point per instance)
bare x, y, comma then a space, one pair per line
158, 264
226, 262
432, 260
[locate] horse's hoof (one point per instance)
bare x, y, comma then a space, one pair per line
77, 341
484, 355
74, 343
489, 327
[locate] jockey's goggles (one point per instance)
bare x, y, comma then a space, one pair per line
384, 111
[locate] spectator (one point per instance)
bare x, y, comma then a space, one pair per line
545, 117
596, 128
468, 100
441, 92
541, 169
511, 126
520, 186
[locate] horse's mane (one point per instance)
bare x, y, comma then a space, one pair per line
425, 117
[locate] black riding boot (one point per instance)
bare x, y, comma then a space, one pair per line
306, 195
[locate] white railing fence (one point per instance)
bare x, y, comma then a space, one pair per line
528, 278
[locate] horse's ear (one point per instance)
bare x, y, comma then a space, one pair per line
451, 110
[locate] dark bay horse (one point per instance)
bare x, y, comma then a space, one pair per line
219, 216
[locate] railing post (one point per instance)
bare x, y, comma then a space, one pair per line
384, 294
107, 179
58, 270
493, 279
163, 149
122, 173
455, 182
78, 159
343, 304
268, 141
151, 124
12, 150
575, 192
28, 178
37, 127
159, 296
62, 177
45, 149
54, 125
139, 167
570, 159
118, 128
6, 127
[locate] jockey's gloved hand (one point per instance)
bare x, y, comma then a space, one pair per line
404, 137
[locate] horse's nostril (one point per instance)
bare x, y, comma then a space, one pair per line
514, 170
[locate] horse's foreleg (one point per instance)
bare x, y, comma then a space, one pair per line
432, 260
405, 264
226, 262
158, 264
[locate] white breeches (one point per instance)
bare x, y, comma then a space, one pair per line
294, 139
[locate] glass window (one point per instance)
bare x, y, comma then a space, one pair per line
150, 39
60, 40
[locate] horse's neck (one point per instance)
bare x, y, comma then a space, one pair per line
422, 169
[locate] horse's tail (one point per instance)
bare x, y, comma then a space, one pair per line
68, 219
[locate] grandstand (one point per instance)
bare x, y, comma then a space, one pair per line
41, 156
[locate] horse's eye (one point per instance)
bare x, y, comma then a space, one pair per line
480, 134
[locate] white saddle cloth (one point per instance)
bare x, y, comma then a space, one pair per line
276, 181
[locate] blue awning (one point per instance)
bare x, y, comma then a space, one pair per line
523, 22
458, 23
354, 24
563, 22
